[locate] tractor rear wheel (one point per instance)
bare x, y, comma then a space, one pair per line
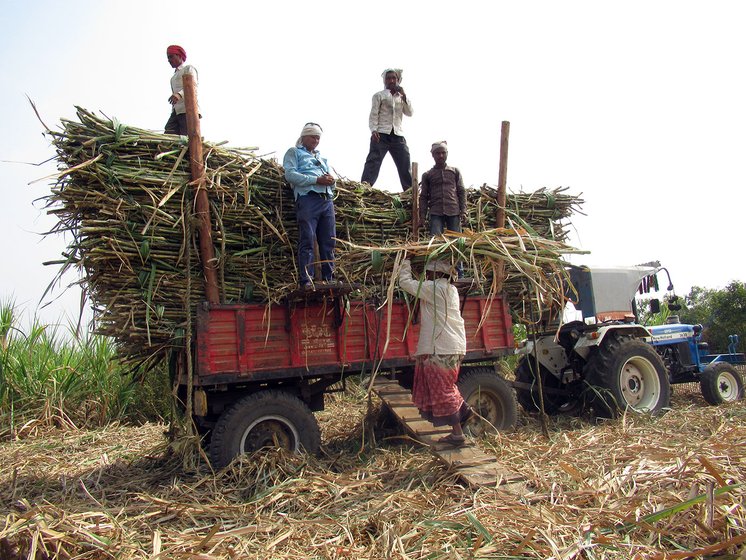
721, 383
264, 419
491, 397
626, 373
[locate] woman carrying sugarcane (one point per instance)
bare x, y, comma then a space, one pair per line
440, 348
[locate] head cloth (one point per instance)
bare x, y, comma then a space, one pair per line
397, 71
309, 129
439, 266
176, 49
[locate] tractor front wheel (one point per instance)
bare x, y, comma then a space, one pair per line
721, 383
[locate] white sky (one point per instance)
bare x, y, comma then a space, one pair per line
638, 105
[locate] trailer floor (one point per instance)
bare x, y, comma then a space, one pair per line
474, 466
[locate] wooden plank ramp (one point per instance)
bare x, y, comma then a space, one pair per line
474, 466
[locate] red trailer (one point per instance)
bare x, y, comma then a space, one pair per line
261, 370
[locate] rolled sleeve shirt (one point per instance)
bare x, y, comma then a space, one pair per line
177, 85
302, 168
442, 193
442, 328
386, 113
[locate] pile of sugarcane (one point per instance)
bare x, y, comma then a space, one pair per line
124, 195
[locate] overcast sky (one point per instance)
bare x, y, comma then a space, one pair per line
637, 106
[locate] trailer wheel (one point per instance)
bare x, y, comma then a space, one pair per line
529, 398
265, 419
721, 383
491, 397
627, 373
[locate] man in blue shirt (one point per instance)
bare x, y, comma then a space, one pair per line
313, 188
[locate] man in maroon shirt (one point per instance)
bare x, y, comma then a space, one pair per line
442, 195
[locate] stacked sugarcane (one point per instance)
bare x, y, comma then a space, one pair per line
124, 195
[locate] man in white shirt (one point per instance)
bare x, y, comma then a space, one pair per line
385, 125
177, 122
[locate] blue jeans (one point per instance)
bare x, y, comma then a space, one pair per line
316, 224
438, 224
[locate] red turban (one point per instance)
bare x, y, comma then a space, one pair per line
176, 49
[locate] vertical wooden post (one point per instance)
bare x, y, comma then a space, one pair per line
503, 174
202, 204
415, 202
501, 182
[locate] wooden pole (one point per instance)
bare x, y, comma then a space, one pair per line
202, 203
415, 203
502, 179
503, 174
415, 224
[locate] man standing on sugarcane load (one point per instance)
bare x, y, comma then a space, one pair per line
386, 135
442, 195
440, 349
177, 122
313, 189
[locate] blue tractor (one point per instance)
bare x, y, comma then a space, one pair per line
688, 360
607, 361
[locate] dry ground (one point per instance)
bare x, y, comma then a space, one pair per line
670, 487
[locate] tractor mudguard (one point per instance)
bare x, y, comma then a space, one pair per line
595, 338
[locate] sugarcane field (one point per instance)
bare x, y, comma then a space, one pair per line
220, 409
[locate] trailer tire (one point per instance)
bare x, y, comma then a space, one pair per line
491, 397
721, 383
626, 373
264, 419
529, 398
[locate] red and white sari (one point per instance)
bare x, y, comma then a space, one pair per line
435, 392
